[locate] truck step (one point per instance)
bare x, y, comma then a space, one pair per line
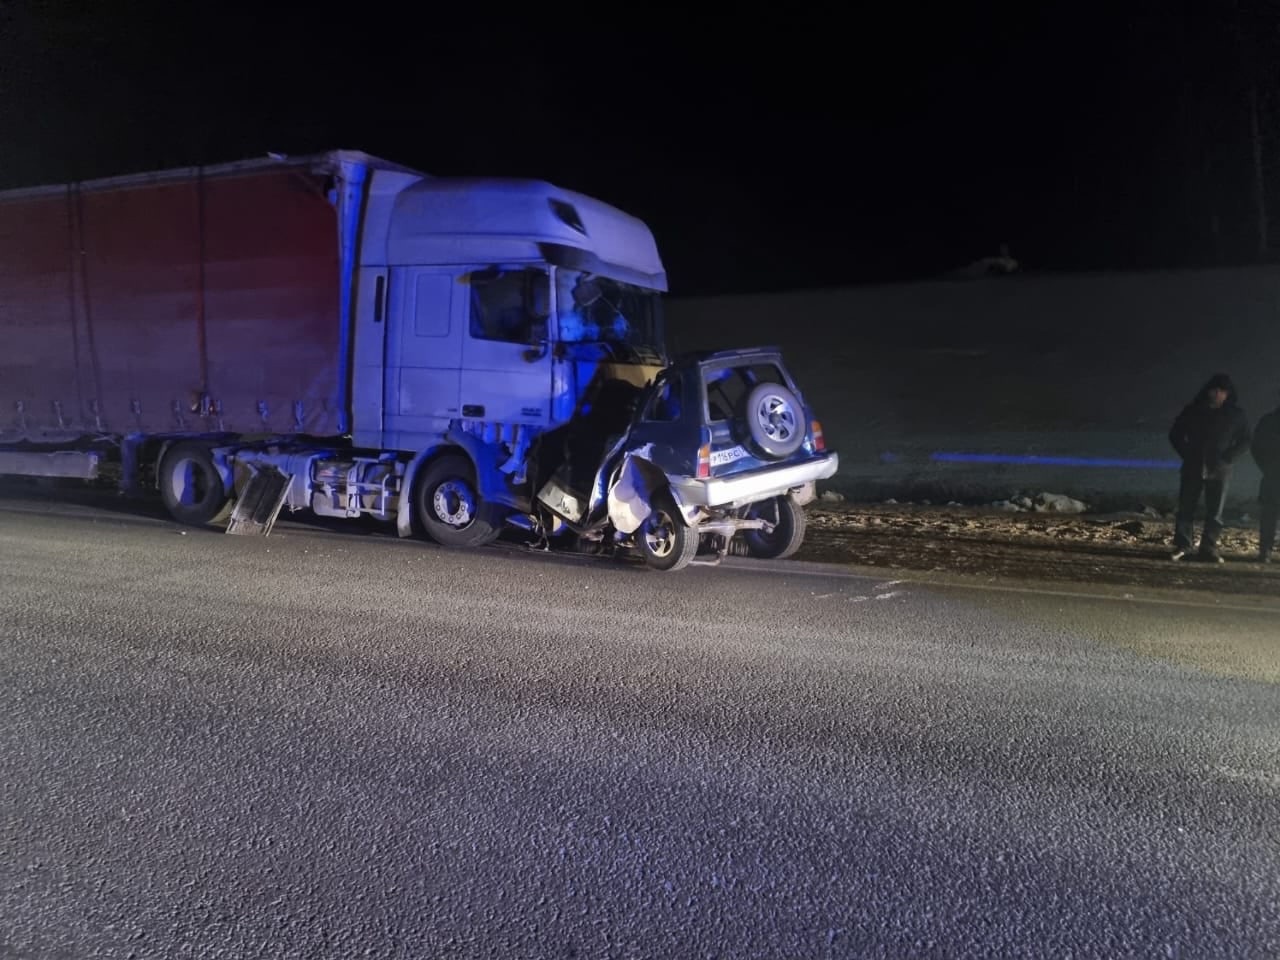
256, 510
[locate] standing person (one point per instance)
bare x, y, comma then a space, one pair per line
1210, 434
1266, 452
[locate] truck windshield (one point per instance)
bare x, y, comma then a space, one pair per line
594, 309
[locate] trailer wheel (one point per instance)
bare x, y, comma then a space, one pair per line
449, 505
191, 486
787, 516
666, 542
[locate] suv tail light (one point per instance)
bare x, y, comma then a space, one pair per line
704, 455
819, 441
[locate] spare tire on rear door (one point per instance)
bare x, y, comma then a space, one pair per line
774, 420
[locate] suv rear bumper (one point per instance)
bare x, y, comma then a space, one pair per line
753, 487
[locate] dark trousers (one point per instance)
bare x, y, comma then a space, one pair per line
1190, 488
1268, 520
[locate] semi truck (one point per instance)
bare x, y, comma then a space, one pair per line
341, 334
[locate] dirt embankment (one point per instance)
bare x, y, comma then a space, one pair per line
1119, 549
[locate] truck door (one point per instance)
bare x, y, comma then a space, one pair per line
506, 359
427, 308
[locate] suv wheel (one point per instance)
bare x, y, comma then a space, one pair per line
666, 542
787, 518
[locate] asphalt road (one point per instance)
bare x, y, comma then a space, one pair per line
328, 745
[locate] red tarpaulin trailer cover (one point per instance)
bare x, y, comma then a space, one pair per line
198, 302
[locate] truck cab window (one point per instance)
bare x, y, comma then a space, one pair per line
510, 305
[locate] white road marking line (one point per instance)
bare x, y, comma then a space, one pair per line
1119, 598
1264, 778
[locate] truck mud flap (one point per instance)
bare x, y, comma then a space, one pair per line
256, 510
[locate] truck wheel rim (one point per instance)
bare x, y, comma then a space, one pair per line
454, 503
776, 417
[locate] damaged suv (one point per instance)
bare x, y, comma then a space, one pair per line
718, 445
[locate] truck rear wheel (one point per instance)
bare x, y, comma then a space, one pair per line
191, 485
449, 505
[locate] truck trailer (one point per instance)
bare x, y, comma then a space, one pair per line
345, 335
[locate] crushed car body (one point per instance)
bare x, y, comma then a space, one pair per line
718, 445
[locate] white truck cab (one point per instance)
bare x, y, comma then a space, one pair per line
483, 310
467, 310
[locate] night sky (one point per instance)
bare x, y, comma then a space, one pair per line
851, 148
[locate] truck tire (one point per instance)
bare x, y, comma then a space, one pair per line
191, 486
666, 542
449, 506
774, 420
787, 516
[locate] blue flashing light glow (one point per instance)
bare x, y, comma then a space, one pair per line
1032, 459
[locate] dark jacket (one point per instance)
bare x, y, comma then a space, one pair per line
1266, 452
1207, 439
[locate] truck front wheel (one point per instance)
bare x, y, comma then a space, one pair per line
191, 486
450, 508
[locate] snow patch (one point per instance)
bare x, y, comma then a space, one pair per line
1059, 503
1008, 506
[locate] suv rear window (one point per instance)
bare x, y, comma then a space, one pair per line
727, 388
